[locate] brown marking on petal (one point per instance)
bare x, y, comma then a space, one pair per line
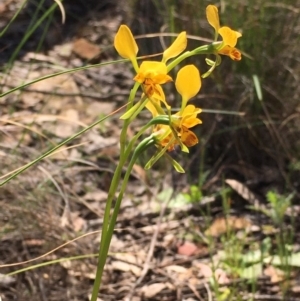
235, 55
188, 138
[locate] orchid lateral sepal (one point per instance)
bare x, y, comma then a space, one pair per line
157, 155
175, 164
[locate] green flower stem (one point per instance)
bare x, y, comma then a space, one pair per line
104, 245
143, 102
124, 154
205, 49
132, 95
126, 122
46, 263
123, 157
117, 175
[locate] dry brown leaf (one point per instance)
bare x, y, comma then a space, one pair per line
276, 275
221, 225
152, 290
296, 289
176, 269
126, 267
86, 49
68, 128
221, 277
97, 195
187, 249
135, 259
182, 274
79, 268
204, 269
6, 280
77, 221
33, 242
243, 191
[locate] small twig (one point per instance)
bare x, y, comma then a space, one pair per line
42, 289
209, 295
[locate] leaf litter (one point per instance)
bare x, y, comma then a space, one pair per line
71, 186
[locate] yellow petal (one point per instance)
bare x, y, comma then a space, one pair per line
125, 43
191, 110
229, 36
189, 116
152, 68
176, 48
154, 72
191, 122
212, 16
188, 82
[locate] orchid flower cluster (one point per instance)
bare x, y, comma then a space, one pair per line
169, 129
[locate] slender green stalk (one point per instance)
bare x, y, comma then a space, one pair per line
118, 171
105, 243
43, 264
205, 49
59, 73
13, 18
53, 150
30, 32
127, 122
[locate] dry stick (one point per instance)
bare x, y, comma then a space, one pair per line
209, 294
146, 267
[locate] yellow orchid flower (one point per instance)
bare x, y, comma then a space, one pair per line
188, 84
151, 74
185, 120
180, 123
228, 35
